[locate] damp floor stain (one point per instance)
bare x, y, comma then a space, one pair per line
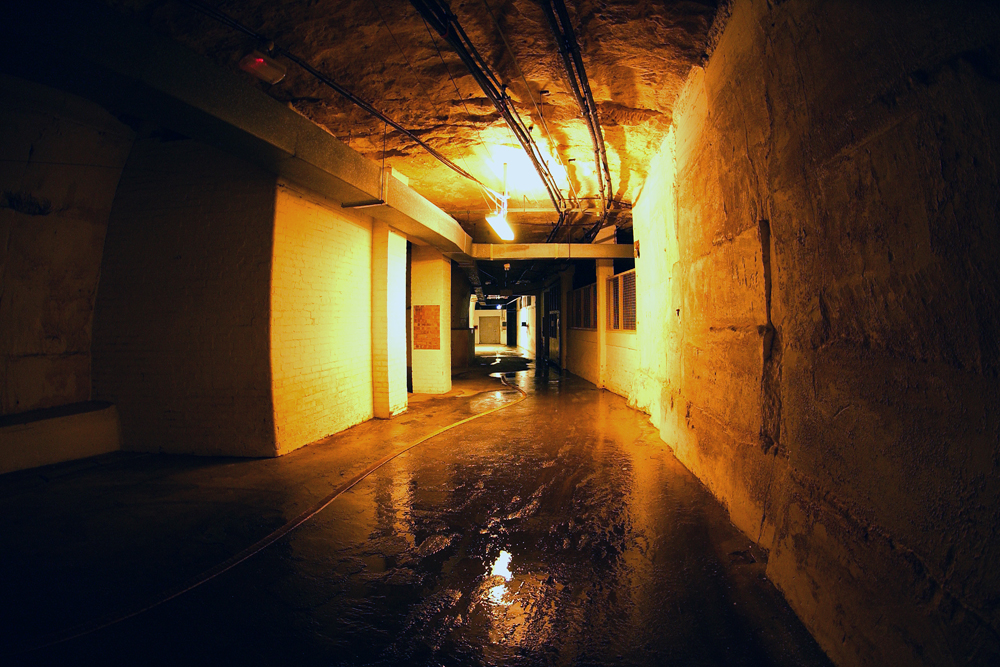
558, 531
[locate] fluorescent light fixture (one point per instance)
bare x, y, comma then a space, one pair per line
498, 221
499, 224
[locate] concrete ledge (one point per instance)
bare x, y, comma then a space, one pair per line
551, 251
89, 49
43, 437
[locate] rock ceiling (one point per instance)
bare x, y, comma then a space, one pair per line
636, 54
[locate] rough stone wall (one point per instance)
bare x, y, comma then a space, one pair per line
657, 316
60, 161
181, 327
832, 372
621, 358
637, 54
321, 326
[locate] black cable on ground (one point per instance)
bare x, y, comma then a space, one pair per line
263, 543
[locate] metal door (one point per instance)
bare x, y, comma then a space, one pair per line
554, 338
489, 330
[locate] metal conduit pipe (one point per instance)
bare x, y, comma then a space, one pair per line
569, 50
227, 20
439, 16
562, 40
588, 94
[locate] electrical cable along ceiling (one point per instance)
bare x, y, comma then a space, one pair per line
572, 99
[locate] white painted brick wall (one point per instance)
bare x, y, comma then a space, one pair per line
526, 334
388, 321
321, 332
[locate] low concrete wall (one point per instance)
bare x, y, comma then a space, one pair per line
44, 437
622, 357
583, 354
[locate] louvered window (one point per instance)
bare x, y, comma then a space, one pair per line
583, 308
621, 302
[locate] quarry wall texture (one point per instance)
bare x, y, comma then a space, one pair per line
181, 327
818, 286
62, 158
321, 319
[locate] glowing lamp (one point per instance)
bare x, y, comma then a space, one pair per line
498, 221
263, 67
499, 224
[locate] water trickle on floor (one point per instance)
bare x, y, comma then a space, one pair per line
557, 531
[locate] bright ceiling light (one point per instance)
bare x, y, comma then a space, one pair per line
523, 180
498, 221
499, 224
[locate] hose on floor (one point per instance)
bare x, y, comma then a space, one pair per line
260, 545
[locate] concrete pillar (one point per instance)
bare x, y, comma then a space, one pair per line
430, 297
605, 269
539, 340
388, 321
565, 287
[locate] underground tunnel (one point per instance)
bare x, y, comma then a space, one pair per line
500, 332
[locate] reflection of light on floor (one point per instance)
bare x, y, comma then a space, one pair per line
500, 569
496, 594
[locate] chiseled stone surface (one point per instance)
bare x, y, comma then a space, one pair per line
636, 54
60, 161
182, 333
818, 273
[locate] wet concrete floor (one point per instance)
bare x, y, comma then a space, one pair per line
559, 530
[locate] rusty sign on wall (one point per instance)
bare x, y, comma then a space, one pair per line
427, 327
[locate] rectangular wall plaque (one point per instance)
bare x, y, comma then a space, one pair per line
426, 327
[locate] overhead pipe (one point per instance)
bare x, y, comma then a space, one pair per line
439, 16
227, 20
569, 50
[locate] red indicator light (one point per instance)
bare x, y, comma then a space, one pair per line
264, 68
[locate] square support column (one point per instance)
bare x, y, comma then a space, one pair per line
540, 362
430, 296
565, 289
388, 321
605, 269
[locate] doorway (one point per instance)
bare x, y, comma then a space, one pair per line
489, 330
